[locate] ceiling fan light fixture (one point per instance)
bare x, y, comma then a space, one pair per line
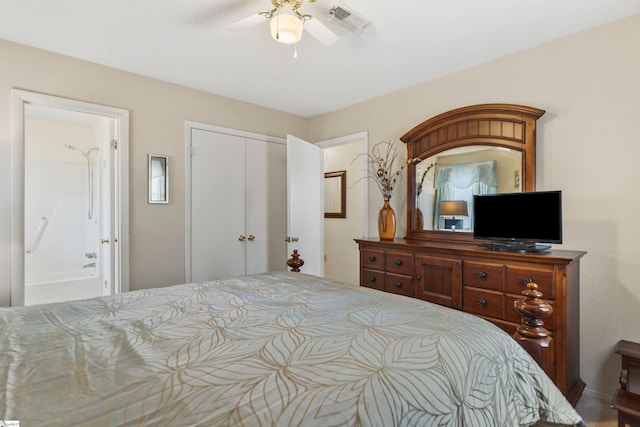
286, 27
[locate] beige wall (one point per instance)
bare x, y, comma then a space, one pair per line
589, 85
342, 257
158, 111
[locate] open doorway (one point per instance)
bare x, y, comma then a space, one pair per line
342, 259
69, 200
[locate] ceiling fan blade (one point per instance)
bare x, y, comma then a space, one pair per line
320, 31
220, 11
247, 22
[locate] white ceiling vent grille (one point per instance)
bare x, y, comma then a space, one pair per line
348, 19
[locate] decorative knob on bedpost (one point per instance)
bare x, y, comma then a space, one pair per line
533, 310
295, 262
531, 333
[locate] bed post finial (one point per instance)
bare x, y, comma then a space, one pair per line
295, 262
531, 333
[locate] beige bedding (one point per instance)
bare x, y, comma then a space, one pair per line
283, 349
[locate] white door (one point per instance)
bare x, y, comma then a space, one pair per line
237, 204
266, 206
109, 230
305, 203
218, 237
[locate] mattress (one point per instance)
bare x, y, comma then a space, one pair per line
275, 349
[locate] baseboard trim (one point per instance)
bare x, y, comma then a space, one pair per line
597, 395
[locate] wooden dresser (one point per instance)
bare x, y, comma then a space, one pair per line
466, 277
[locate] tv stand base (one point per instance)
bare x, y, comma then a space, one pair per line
522, 247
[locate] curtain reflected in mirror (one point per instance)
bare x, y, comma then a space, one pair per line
446, 184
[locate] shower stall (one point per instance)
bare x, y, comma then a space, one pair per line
63, 200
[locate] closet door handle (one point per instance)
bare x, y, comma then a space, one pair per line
242, 238
252, 237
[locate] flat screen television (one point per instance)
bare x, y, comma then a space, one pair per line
519, 222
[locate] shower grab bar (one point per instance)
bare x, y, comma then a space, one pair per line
36, 237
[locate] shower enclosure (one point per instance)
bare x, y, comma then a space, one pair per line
63, 199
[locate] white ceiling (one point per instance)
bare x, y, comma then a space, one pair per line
408, 42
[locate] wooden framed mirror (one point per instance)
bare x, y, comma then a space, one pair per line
335, 194
479, 149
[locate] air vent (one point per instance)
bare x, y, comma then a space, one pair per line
348, 19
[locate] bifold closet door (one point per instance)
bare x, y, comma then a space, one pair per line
238, 205
217, 205
266, 206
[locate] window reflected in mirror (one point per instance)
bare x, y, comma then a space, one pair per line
447, 182
158, 179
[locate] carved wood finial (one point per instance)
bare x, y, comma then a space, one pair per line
533, 309
531, 334
295, 262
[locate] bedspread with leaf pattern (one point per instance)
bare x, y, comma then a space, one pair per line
277, 349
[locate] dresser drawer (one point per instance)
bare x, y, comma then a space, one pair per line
399, 262
484, 303
399, 284
518, 277
512, 315
372, 259
483, 275
372, 279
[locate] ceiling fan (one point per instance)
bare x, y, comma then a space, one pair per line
287, 23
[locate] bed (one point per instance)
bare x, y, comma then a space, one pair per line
284, 349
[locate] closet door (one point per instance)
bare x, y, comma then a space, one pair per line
238, 205
217, 205
266, 206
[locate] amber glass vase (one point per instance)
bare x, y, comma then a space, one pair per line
387, 222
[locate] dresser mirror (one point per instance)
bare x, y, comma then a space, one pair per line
480, 149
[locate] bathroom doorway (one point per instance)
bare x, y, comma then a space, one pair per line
71, 185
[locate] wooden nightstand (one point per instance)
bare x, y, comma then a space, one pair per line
625, 402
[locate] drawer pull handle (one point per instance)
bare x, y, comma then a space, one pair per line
482, 275
372, 279
398, 262
418, 277
482, 302
527, 280
372, 258
398, 285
